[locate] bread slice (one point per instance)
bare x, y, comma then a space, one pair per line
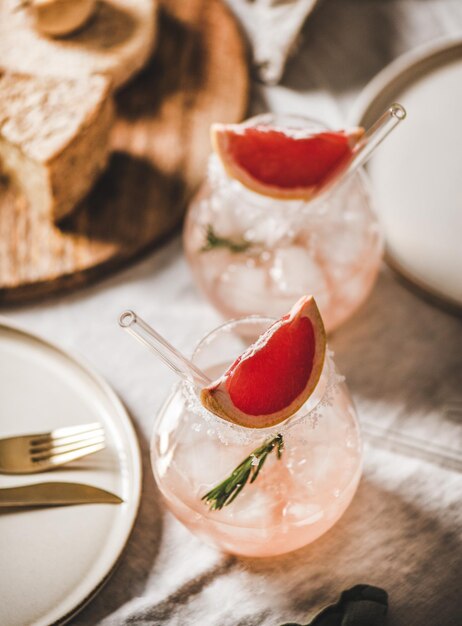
54, 137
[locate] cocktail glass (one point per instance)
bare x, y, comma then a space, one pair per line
253, 254
295, 498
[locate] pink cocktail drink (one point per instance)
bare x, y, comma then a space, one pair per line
251, 253
295, 498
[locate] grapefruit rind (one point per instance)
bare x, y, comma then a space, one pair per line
217, 399
221, 133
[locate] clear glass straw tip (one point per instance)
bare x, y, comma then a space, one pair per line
127, 318
151, 339
398, 111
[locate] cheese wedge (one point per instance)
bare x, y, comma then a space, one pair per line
54, 137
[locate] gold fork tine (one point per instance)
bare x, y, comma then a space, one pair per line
42, 455
61, 459
39, 452
53, 441
66, 431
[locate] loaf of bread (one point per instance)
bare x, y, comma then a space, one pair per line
54, 137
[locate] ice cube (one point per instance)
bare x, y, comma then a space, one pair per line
244, 288
268, 231
253, 507
204, 461
214, 264
295, 272
304, 512
308, 478
340, 246
224, 221
252, 216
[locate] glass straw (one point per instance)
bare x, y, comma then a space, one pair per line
150, 338
372, 138
375, 135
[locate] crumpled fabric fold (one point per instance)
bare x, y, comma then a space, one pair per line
272, 27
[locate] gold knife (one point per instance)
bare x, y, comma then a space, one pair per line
55, 494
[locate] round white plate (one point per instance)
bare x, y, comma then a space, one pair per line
54, 560
416, 174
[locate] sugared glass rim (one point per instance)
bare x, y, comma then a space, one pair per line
308, 413
272, 118
231, 322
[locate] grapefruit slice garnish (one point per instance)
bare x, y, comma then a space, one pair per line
276, 375
283, 163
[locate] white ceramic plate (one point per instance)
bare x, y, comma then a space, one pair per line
54, 560
417, 172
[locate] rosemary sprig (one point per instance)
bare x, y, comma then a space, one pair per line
212, 241
228, 490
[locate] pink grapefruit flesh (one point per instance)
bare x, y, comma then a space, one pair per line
282, 164
276, 375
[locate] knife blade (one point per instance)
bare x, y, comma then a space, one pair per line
55, 494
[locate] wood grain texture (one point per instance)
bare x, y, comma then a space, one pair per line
197, 75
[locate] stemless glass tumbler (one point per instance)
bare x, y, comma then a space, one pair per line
253, 254
298, 494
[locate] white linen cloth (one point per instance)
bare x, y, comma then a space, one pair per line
272, 27
402, 359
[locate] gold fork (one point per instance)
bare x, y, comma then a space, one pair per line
29, 454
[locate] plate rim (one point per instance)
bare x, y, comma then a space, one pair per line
372, 91
381, 81
133, 444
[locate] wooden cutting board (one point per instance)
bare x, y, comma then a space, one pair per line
197, 75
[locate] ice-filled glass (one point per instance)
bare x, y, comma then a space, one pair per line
250, 253
295, 498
